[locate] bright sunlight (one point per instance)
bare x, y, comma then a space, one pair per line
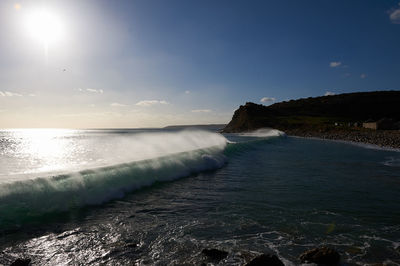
45, 26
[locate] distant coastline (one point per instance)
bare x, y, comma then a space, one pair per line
213, 127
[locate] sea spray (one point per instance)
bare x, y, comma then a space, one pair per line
263, 133
27, 153
118, 163
275, 195
251, 140
175, 155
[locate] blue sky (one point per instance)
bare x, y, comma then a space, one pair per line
155, 63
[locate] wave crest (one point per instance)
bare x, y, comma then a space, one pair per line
263, 133
28, 198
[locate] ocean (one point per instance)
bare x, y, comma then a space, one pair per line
160, 196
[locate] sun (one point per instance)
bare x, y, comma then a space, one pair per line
45, 26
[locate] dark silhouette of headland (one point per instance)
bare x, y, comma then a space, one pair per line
369, 117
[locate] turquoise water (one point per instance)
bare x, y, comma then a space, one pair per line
160, 197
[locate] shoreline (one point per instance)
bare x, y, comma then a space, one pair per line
348, 142
386, 139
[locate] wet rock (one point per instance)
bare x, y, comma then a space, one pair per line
321, 255
21, 262
353, 250
132, 245
246, 255
215, 254
266, 260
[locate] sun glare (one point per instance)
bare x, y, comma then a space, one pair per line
45, 26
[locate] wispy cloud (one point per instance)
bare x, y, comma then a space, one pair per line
187, 92
335, 64
202, 111
329, 93
147, 103
118, 105
95, 91
267, 100
9, 94
90, 114
100, 91
363, 76
394, 15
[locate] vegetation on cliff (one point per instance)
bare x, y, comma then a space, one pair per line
321, 114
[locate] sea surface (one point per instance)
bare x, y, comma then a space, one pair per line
159, 197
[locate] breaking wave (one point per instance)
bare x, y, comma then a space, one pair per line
23, 199
263, 132
129, 164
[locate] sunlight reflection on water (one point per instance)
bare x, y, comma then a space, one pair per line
40, 150
25, 153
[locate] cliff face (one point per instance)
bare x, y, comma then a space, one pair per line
249, 117
317, 113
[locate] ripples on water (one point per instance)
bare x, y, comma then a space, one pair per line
274, 195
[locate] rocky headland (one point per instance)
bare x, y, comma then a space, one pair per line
336, 117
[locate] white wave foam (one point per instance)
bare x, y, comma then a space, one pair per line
370, 146
392, 161
35, 196
46, 153
263, 133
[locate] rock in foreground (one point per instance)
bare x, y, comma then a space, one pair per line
21, 262
215, 254
266, 259
321, 255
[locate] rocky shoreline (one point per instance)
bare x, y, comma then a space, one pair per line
381, 138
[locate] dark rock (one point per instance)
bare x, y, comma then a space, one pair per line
132, 245
215, 254
267, 260
397, 249
321, 255
21, 262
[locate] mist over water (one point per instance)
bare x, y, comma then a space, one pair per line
38, 151
91, 169
263, 133
108, 202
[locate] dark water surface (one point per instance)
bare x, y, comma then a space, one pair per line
278, 195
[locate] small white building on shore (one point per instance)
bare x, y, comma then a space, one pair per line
380, 124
